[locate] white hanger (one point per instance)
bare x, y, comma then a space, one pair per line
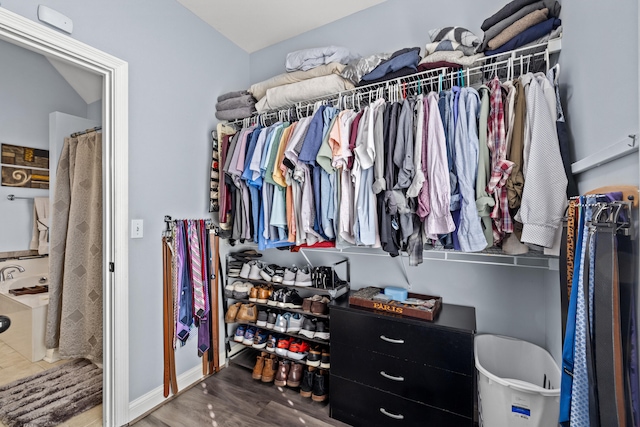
546, 59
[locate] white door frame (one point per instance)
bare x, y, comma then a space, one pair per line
38, 38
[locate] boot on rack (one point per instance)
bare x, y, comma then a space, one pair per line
259, 366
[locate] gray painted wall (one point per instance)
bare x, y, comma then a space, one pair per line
30, 89
94, 111
600, 84
178, 66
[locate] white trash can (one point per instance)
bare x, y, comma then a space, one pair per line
518, 383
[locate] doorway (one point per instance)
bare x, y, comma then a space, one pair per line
35, 37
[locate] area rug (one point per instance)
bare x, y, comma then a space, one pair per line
51, 397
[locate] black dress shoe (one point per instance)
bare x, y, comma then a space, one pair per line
5, 322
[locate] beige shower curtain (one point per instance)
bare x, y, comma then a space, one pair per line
74, 320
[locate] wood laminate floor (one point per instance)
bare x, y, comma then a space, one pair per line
231, 398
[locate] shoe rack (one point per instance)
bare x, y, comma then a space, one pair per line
245, 355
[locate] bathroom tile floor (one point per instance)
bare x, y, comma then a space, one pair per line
14, 366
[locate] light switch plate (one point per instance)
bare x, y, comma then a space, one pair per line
136, 228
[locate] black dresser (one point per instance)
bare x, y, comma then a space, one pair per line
388, 370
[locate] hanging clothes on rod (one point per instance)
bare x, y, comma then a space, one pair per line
396, 168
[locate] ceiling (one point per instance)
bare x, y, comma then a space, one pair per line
255, 24
87, 84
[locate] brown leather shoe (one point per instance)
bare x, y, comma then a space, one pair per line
283, 372
306, 304
264, 293
270, 368
247, 313
319, 305
253, 294
232, 312
295, 375
259, 367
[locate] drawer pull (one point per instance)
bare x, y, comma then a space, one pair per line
391, 377
391, 340
390, 415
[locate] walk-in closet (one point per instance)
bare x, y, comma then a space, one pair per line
372, 213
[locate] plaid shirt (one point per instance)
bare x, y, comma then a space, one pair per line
500, 166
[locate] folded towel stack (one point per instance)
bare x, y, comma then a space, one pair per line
452, 47
518, 24
235, 105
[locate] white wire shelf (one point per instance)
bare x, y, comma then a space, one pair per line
507, 63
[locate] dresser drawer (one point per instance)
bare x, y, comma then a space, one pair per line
436, 387
438, 347
360, 405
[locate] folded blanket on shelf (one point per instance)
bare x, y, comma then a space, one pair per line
259, 90
404, 58
283, 96
517, 27
357, 68
455, 34
554, 10
238, 113
506, 11
306, 59
527, 36
405, 71
235, 103
426, 66
455, 57
557, 32
230, 95
448, 45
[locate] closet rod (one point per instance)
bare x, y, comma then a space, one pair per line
606, 155
432, 79
514, 59
95, 129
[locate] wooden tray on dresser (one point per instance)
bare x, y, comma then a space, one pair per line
398, 308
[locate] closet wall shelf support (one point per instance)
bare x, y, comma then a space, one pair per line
491, 256
527, 260
606, 155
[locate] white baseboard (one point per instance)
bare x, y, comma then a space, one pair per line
155, 397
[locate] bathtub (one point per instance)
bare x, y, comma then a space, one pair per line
28, 315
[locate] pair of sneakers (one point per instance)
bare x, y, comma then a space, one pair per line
290, 323
319, 357
251, 336
291, 347
315, 328
256, 270
238, 290
285, 298
297, 277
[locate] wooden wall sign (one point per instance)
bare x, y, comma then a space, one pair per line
24, 167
